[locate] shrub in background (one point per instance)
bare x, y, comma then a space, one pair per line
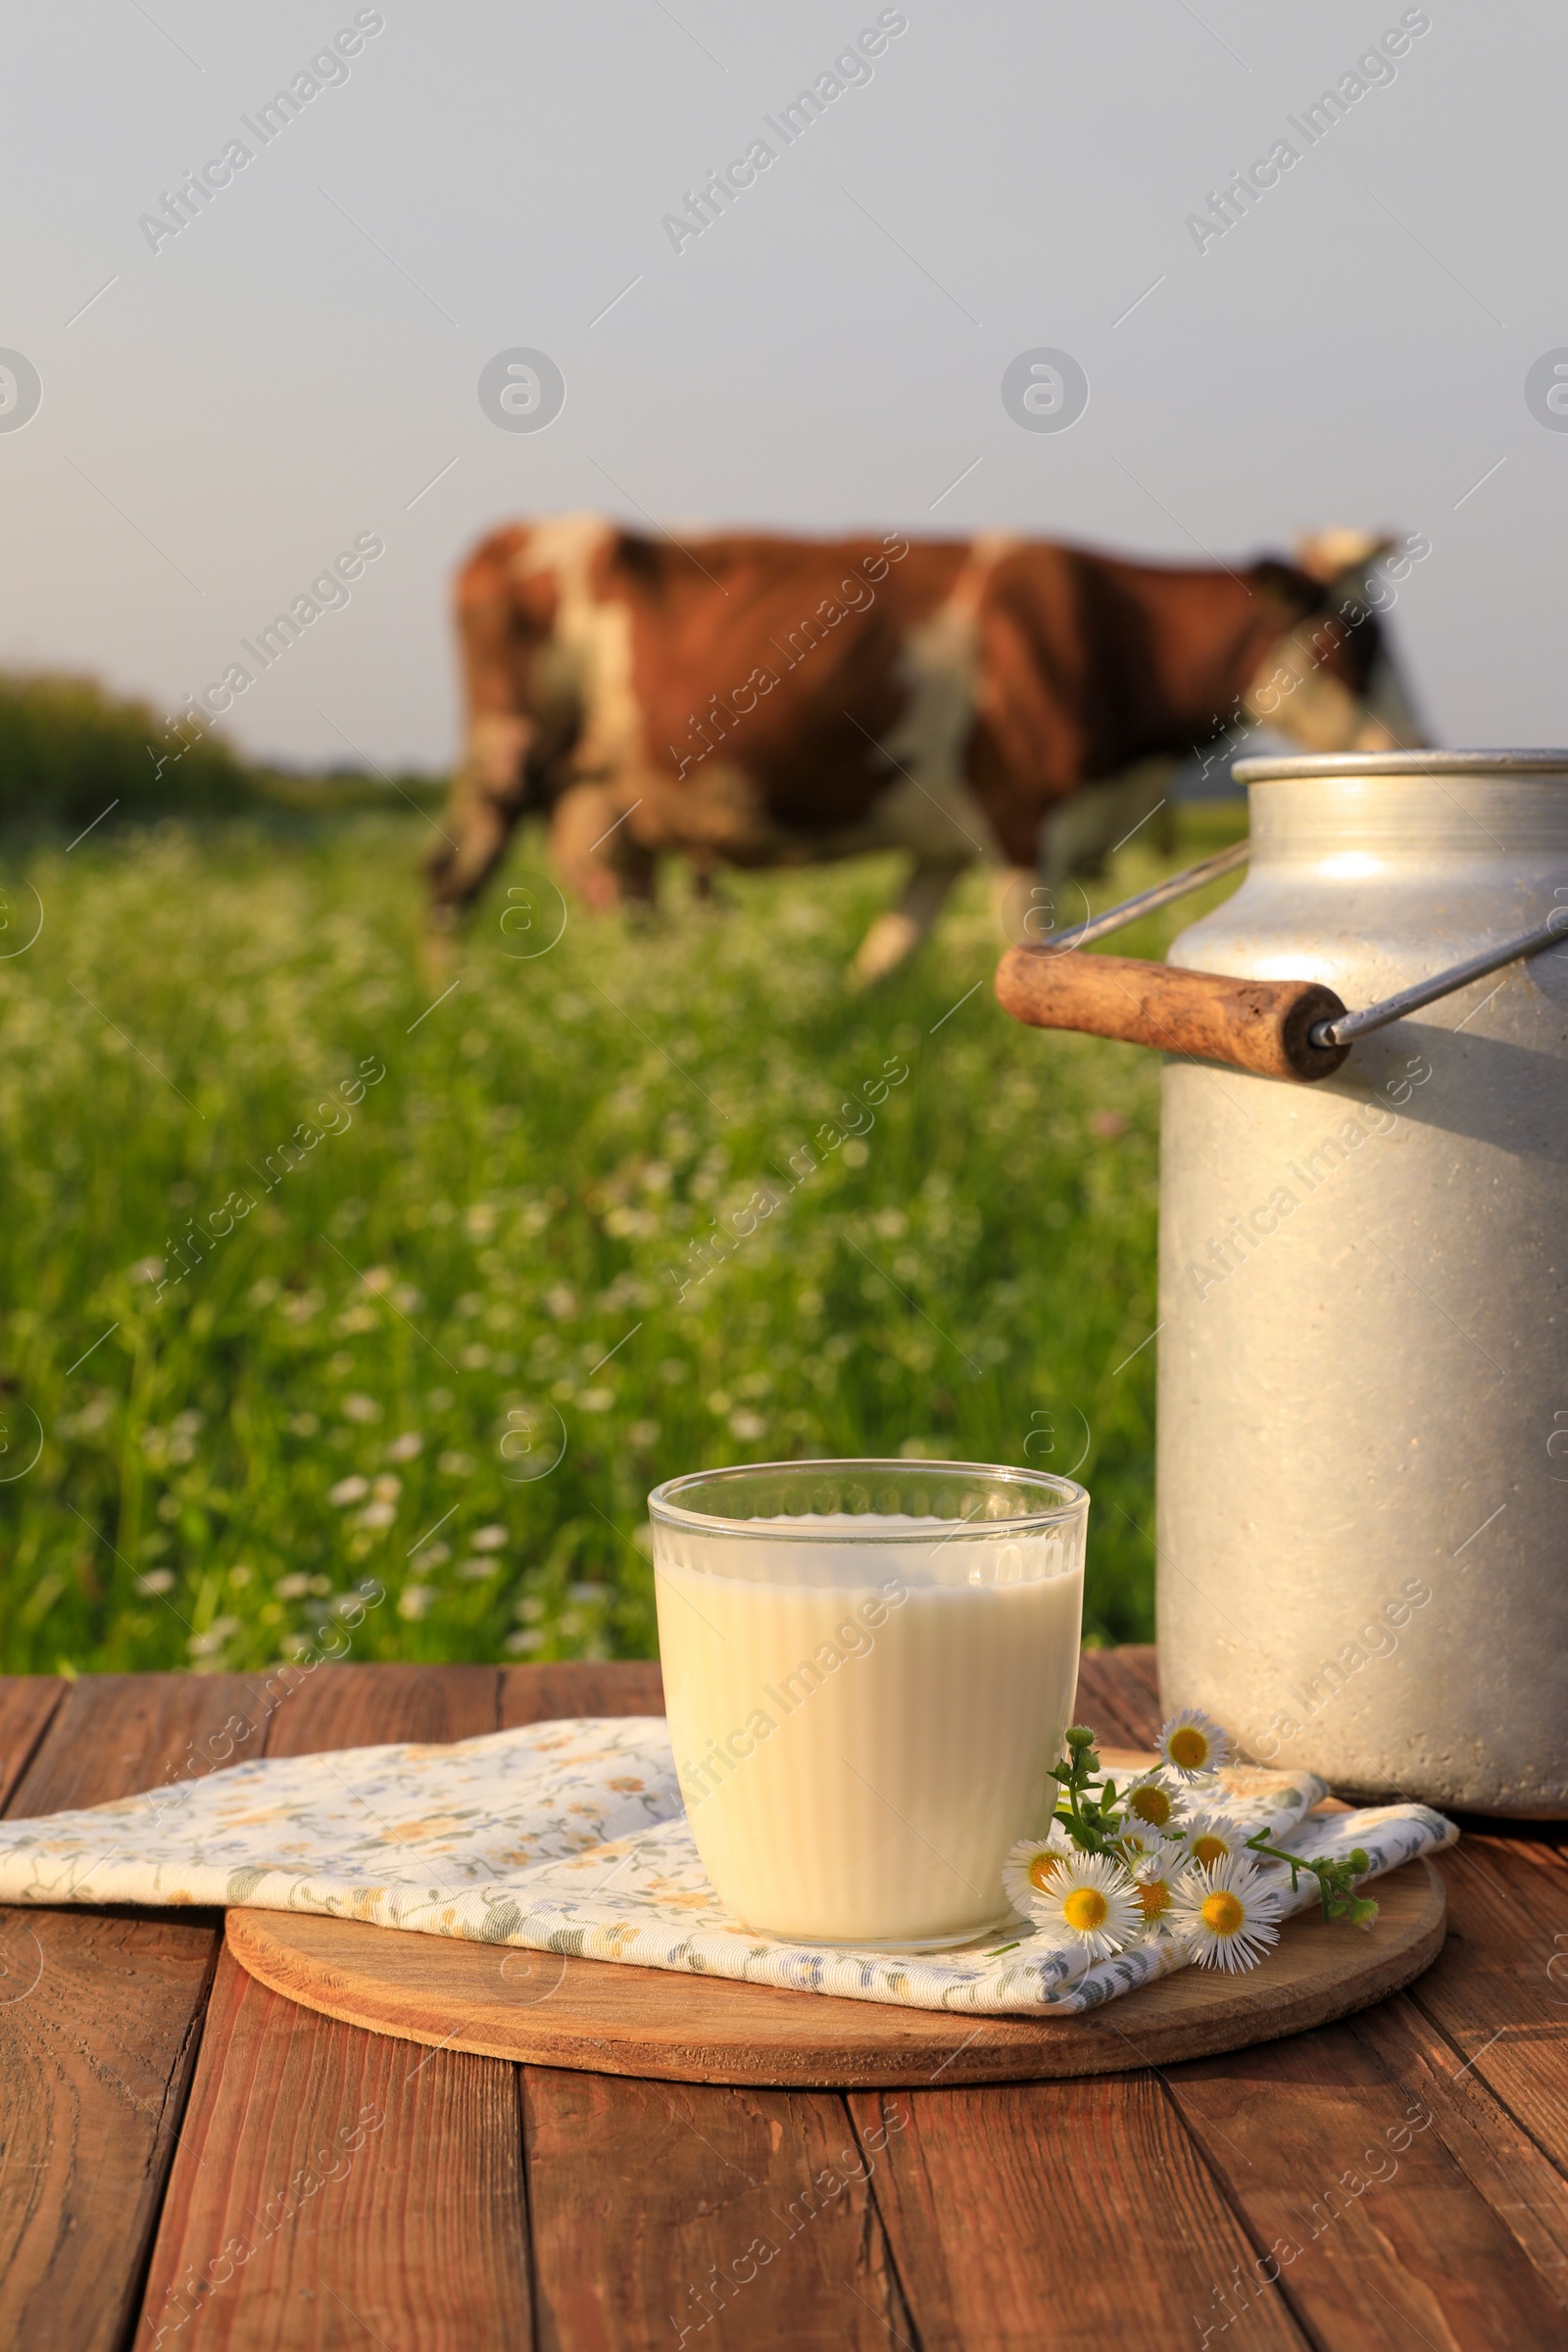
68, 750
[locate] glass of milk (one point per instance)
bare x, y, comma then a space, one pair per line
870, 1668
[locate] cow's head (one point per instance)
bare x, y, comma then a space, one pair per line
1329, 682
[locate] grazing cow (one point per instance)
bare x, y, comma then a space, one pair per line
759, 702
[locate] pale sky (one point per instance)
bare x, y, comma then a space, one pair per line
220, 417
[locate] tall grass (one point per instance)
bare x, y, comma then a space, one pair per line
314, 1271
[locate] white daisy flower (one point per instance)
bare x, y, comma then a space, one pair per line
1158, 1879
1228, 1915
1154, 1802
1089, 1901
1136, 1842
1214, 1838
1193, 1745
1027, 1867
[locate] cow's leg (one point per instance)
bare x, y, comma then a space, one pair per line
483, 807
896, 934
595, 850
1080, 833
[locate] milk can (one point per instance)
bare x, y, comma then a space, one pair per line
1362, 1516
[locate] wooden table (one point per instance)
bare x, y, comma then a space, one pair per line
1394, 2181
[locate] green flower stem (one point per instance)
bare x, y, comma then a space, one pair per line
1336, 1880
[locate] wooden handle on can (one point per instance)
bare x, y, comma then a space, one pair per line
1262, 1025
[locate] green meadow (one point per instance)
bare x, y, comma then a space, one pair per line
354, 1310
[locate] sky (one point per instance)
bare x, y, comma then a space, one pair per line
224, 408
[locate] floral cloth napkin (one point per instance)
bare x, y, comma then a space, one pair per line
570, 1837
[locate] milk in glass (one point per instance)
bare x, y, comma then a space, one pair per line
862, 1726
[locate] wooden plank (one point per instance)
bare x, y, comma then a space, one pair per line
95, 2057
657, 2023
1499, 1992
26, 1703
332, 2186
415, 2229
1524, 2190
612, 1686
115, 1733
1138, 1663
94, 2068
1113, 1697
352, 1706
1055, 2217
1338, 2168
657, 2207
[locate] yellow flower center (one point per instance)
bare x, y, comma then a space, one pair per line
1154, 1896
1040, 1870
1208, 1850
1085, 1910
1188, 1748
1151, 1804
1224, 1912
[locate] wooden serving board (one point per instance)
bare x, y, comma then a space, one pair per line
605, 2017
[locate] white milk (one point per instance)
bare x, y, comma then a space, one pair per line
862, 1729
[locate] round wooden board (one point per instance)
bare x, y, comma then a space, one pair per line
603, 2018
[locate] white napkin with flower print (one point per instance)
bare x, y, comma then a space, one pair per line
570, 1837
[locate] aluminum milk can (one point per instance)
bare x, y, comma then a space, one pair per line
1362, 1520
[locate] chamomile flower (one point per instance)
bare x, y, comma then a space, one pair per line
1158, 1879
1214, 1838
1228, 1915
1154, 1803
1028, 1867
1193, 1745
1136, 1842
1089, 1901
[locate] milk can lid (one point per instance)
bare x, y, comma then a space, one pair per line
1401, 764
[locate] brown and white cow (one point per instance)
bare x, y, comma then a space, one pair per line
757, 702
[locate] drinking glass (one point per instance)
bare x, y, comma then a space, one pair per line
870, 1668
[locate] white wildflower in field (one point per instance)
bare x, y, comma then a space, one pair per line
582, 1174
489, 1539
